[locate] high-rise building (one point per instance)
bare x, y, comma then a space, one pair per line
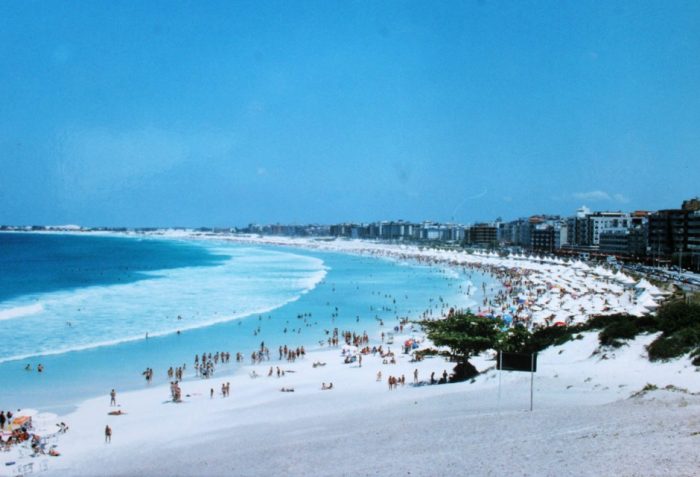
601, 222
694, 239
670, 236
483, 235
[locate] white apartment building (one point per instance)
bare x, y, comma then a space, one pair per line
600, 222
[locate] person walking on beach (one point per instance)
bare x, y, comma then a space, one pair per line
113, 398
108, 434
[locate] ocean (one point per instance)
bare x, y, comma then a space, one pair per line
95, 311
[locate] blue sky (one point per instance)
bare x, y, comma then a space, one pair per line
225, 113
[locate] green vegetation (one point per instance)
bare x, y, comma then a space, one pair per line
694, 298
679, 323
467, 335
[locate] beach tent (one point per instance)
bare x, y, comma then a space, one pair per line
626, 280
645, 285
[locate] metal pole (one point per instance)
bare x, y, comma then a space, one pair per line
532, 378
500, 371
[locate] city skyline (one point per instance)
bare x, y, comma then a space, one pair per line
165, 114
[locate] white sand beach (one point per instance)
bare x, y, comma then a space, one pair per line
587, 418
584, 422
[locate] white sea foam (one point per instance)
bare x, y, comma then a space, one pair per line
20, 311
127, 339
252, 281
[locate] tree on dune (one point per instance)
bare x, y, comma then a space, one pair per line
466, 335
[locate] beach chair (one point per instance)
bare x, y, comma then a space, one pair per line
23, 469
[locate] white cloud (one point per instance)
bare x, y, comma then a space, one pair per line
621, 198
600, 196
594, 195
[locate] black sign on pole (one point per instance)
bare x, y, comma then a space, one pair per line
517, 362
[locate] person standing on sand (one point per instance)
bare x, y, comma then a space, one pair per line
108, 434
113, 398
415, 375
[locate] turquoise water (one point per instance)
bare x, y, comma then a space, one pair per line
91, 339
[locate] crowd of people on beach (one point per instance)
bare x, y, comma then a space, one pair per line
18, 430
504, 296
205, 367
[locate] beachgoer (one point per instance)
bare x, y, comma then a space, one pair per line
211, 393
415, 375
40, 368
113, 398
108, 434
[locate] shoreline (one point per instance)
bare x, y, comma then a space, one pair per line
148, 418
201, 426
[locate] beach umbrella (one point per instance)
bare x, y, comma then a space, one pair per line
20, 421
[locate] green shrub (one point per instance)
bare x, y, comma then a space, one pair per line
516, 339
618, 330
543, 338
666, 347
677, 316
696, 359
674, 345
